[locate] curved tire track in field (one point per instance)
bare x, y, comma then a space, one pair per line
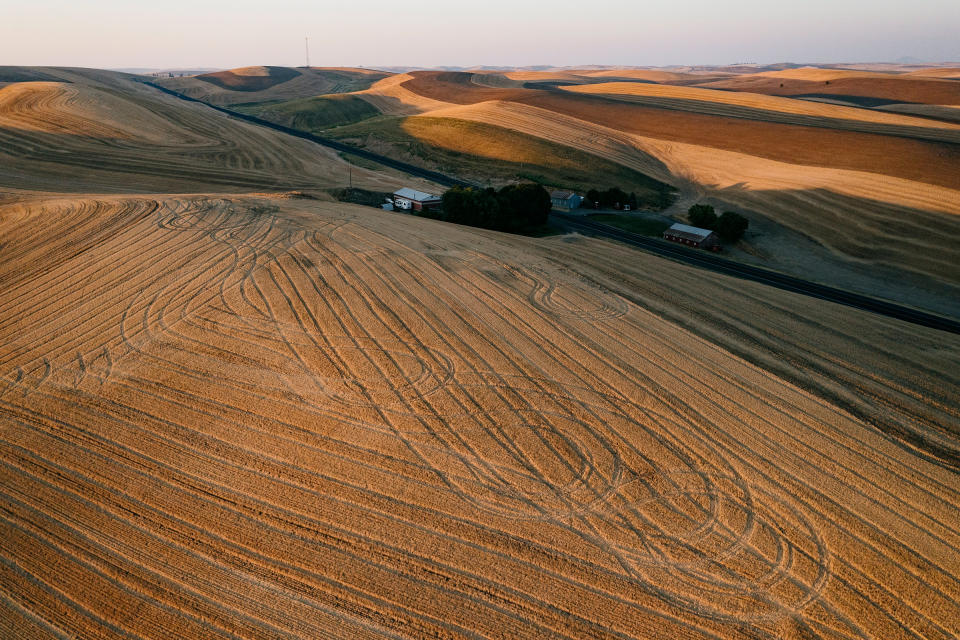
529, 468
309, 423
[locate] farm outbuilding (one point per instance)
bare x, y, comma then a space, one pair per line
565, 199
411, 199
692, 236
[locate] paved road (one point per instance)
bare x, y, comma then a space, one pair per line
692, 257
713, 262
413, 170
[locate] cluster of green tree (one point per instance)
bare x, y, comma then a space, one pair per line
730, 226
616, 198
515, 207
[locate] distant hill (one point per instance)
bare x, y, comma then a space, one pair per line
252, 85
175, 71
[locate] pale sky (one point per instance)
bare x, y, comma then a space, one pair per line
234, 33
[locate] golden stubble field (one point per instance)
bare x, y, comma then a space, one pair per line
323, 419
236, 415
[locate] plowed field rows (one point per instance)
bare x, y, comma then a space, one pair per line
757, 106
852, 84
222, 419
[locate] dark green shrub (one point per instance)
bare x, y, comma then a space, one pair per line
523, 206
731, 226
593, 197
703, 216
612, 197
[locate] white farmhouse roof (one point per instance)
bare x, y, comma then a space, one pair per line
413, 194
693, 233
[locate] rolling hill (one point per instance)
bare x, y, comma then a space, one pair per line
227, 412
253, 85
870, 186
866, 185
118, 134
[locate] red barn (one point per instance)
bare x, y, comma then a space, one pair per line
692, 236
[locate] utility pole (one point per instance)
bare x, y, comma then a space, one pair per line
306, 48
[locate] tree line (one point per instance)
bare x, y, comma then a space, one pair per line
730, 226
515, 207
614, 197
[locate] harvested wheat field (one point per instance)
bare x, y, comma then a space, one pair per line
244, 415
943, 72
253, 417
923, 161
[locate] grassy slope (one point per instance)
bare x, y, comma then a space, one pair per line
316, 113
486, 153
233, 81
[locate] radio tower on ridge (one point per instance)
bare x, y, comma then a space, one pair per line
306, 47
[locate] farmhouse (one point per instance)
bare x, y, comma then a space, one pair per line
693, 236
407, 199
565, 199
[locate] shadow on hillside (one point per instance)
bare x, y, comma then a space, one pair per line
862, 230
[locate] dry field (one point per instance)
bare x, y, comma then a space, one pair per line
919, 160
238, 415
943, 72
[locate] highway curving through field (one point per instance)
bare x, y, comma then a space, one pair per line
413, 170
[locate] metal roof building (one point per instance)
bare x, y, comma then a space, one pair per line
407, 198
567, 199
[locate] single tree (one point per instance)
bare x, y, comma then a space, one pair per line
593, 196
523, 206
664, 197
731, 226
703, 216
612, 197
